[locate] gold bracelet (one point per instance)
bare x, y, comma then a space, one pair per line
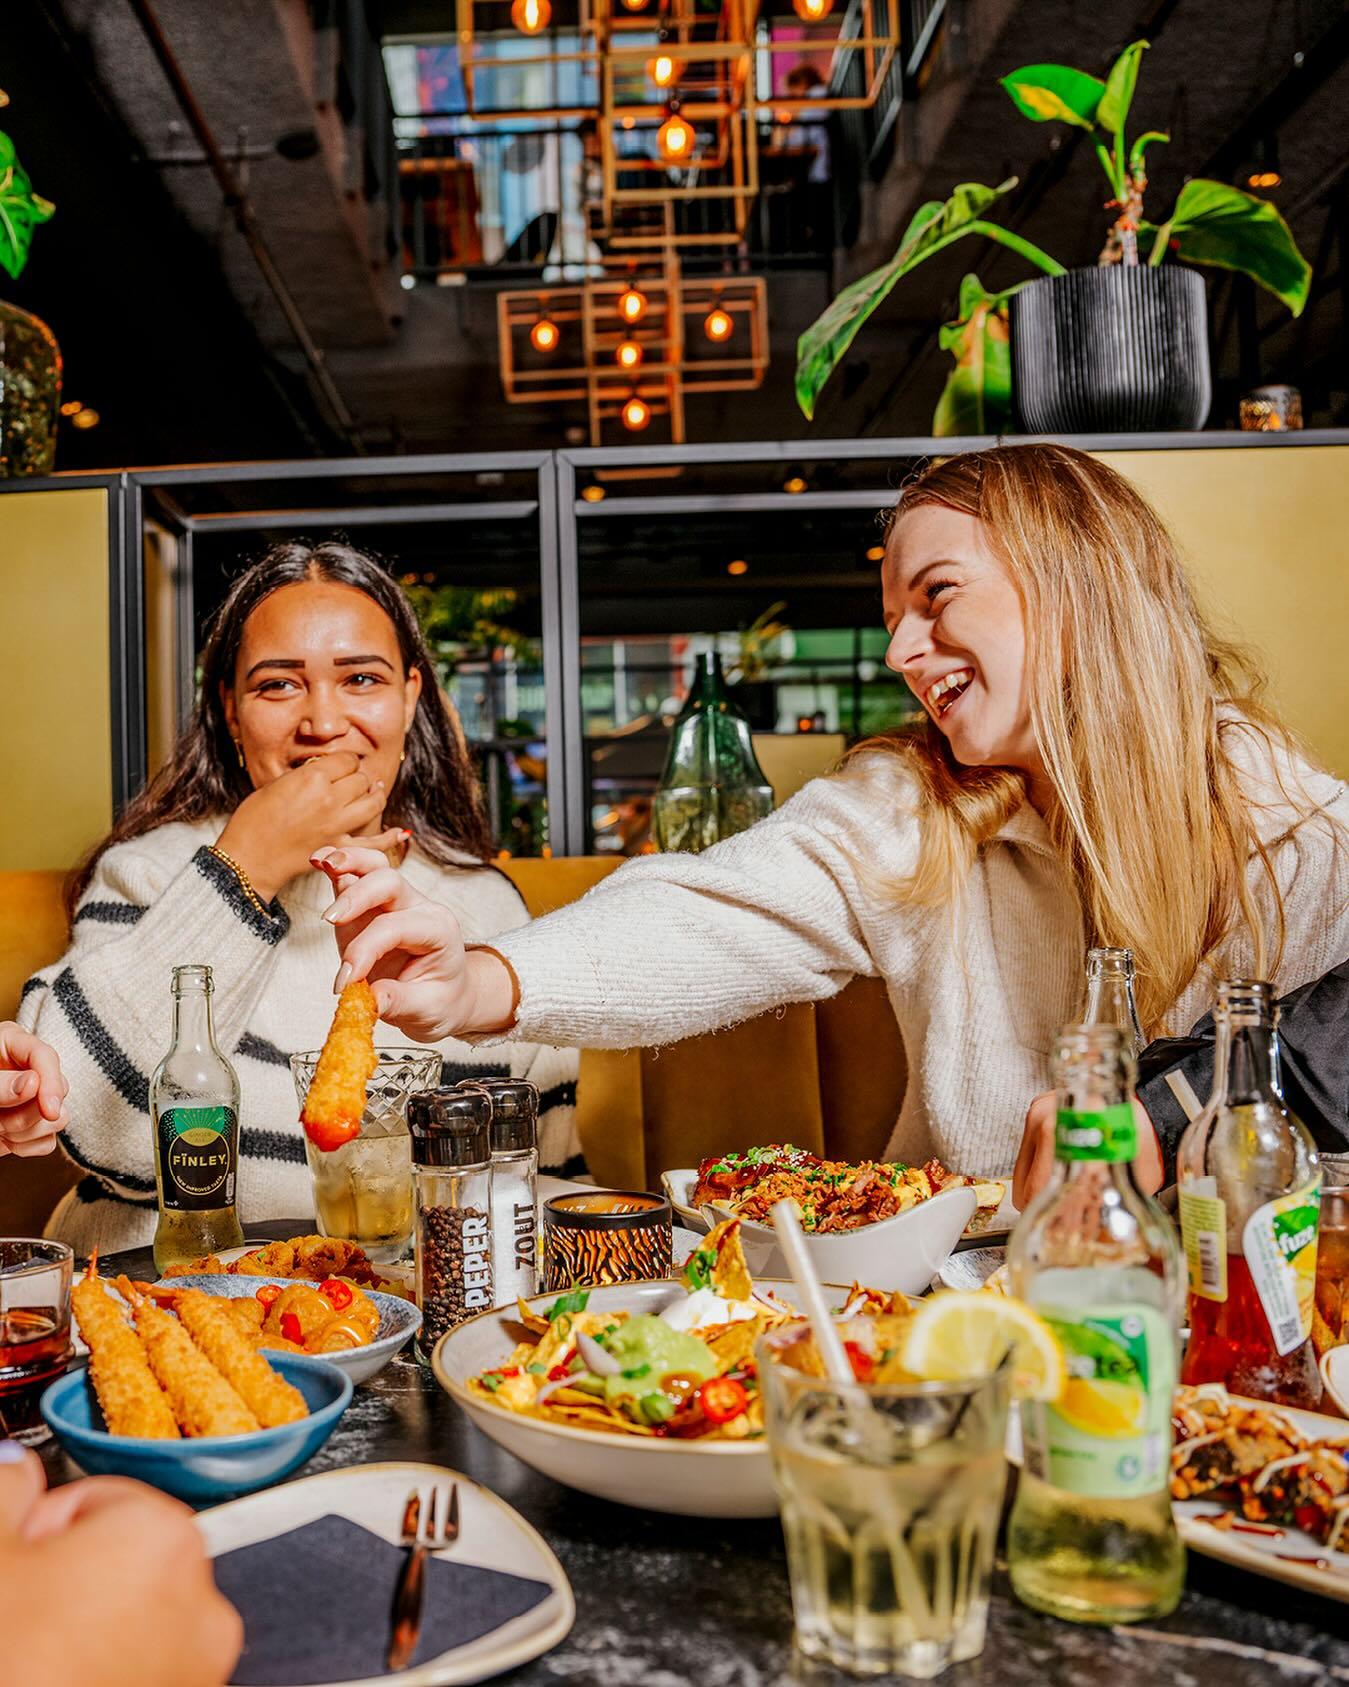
245, 883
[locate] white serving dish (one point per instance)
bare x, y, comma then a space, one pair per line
690, 1478
1335, 1376
970, 1269
491, 1534
904, 1252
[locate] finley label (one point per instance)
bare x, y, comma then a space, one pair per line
1107, 1134
198, 1157
1279, 1242
1203, 1228
1109, 1436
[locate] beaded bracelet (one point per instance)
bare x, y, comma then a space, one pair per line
245, 883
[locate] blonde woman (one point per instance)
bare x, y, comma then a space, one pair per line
1095, 768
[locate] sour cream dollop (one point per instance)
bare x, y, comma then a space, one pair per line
705, 1307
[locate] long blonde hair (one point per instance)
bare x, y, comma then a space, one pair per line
1134, 701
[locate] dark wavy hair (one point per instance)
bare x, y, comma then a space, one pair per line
436, 795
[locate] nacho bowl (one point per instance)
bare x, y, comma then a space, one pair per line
709, 1478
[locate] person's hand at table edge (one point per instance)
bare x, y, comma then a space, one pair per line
1035, 1160
426, 981
32, 1093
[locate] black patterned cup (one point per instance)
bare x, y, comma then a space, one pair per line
605, 1236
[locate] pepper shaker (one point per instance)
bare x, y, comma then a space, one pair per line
515, 1172
452, 1179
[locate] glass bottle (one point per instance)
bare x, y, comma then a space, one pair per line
30, 392
1250, 1206
712, 785
452, 1178
194, 1103
1110, 994
515, 1174
1091, 1536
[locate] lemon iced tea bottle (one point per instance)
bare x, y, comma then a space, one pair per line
1091, 1536
1250, 1207
194, 1102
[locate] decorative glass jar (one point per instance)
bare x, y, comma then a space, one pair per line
30, 392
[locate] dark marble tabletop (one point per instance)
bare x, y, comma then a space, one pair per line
689, 1602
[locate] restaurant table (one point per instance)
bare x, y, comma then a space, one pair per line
666, 1601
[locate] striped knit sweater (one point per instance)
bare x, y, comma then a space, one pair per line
162, 901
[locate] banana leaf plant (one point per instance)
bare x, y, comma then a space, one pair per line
21, 210
1210, 223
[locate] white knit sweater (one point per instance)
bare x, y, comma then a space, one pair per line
162, 901
672, 945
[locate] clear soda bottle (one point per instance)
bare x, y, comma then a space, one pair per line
1110, 994
1091, 1536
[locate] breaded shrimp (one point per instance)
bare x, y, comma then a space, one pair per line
332, 1109
132, 1401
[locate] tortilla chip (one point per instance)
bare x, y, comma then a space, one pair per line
718, 1263
732, 1344
530, 1319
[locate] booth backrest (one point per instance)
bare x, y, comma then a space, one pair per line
827, 1077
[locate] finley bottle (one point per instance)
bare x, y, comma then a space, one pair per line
194, 1102
1110, 994
712, 785
1250, 1208
1091, 1536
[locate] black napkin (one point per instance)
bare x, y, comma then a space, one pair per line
317, 1604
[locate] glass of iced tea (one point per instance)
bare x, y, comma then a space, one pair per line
34, 1331
363, 1190
890, 1496
1330, 1316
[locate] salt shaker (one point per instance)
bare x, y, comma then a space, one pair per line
452, 1178
515, 1171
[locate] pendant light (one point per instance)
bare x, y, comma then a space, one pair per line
636, 414
675, 137
531, 17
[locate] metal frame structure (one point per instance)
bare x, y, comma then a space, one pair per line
634, 478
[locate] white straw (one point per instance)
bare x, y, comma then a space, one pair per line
786, 1219
1183, 1090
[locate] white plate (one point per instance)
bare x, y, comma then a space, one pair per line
904, 1252
491, 1535
1335, 1375
971, 1269
1259, 1553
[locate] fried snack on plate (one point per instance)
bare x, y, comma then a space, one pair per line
271, 1399
132, 1401
332, 1110
718, 1263
202, 1401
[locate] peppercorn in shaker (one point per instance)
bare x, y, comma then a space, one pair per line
515, 1171
452, 1177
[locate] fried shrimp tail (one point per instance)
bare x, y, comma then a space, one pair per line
202, 1401
332, 1109
271, 1399
131, 1399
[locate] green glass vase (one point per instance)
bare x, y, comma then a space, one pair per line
30, 393
712, 785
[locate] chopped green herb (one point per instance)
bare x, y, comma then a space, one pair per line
656, 1408
698, 1270
638, 1371
491, 1381
575, 1301
537, 1370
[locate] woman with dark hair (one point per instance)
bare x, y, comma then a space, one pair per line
319, 719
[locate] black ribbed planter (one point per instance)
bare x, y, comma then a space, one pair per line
1111, 350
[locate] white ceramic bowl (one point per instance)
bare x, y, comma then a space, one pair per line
1335, 1376
691, 1478
904, 1252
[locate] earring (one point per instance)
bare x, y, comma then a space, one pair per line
403, 756
239, 751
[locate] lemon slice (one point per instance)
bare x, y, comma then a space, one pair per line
965, 1333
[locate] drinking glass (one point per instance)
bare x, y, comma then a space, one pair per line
34, 1331
890, 1496
1330, 1317
363, 1190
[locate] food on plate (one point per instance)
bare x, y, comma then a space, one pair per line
1258, 1457
131, 1400
201, 1399
331, 1317
313, 1259
332, 1110
833, 1195
226, 1343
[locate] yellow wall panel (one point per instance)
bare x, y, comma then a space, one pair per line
54, 655
1265, 535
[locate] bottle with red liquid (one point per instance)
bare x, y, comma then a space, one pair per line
1250, 1201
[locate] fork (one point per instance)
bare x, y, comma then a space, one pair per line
419, 1539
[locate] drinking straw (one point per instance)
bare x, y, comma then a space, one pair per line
786, 1217
1183, 1090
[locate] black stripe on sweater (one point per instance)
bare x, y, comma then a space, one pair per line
110, 913
126, 1185
575, 1167
557, 1095
271, 1145
30, 985
95, 1189
455, 1071
258, 1048
271, 927
131, 1085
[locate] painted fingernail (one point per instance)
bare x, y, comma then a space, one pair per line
343, 978
336, 912
320, 855
12, 1453
404, 833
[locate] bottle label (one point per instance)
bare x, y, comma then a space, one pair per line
1279, 1242
198, 1157
1109, 1133
1203, 1228
1109, 1435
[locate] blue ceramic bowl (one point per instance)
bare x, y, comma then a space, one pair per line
213, 1467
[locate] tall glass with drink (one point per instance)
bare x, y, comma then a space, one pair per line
34, 1331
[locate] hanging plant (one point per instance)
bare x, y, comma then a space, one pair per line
21, 210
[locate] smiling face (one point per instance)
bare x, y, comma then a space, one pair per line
958, 636
319, 670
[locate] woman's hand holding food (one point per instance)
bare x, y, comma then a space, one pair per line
32, 1093
412, 951
276, 829
66, 1540
1036, 1159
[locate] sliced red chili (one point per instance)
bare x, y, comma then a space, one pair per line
1307, 1517
722, 1398
290, 1328
337, 1293
267, 1295
863, 1365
